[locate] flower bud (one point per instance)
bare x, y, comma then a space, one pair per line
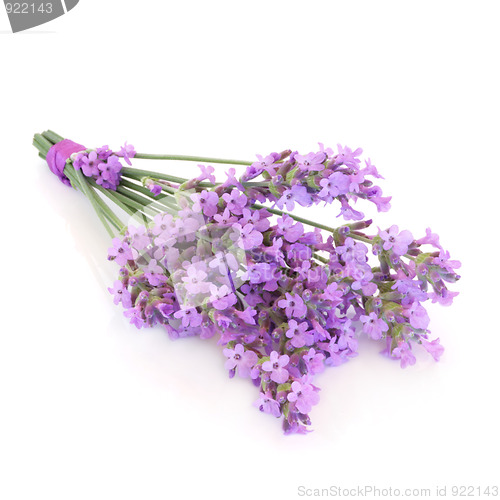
276, 334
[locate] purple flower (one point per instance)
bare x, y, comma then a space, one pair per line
103, 153
430, 238
236, 201
445, 298
138, 237
396, 240
355, 180
127, 151
256, 217
247, 315
314, 361
207, 173
223, 262
290, 231
190, 317
335, 185
267, 164
404, 353
252, 295
443, 261
232, 180
195, 280
374, 326
89, 163
225, 219
121, 294
348, 212
120, 252
165, 309
418, 316
78, 160
304, 396
246, 237
311, 161
266, 404
294, 306
298, 194
333, 294
348, 157
241, 359
352, 251
153, 187
134, 315
221, 298
298, 334
370, 169
382, 203
260, 273
434, 348
362, 276
328, 151
163, 223
109, 170
410, 289
276, 365
155, 273
205, 202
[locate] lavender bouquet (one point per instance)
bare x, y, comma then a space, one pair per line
285, 296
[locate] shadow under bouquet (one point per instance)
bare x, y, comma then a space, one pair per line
285, 296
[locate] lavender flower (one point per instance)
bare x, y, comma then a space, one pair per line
374, 326
294, 306
311, 161
403, 352
205, 202
303, 396
268, 405
276, 366
126, 152
283, 300
238, 358
395, 240
296, 194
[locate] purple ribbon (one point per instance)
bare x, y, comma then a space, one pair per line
57, 156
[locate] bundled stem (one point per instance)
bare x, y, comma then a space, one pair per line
136, 200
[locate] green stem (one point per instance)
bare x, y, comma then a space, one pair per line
52, 136
201, 159
321, 258
113, 218
165, 200
43, 142
94, 198
87, 192
144, 203
358, 237
138, 174
141, 217
133, 204
297, 218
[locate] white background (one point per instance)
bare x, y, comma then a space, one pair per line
93, 408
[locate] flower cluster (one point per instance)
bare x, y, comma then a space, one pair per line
283, 301
321, 176
103, 165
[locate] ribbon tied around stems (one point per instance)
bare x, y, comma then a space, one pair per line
58, 155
